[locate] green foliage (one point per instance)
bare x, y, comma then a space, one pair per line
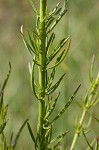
39, 46
3, 120
45, 61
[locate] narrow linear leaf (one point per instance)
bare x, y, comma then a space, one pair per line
55, 86
64, 5
66, 106
49, 104
2, 127
59, 138
97, 144
32, 80
52, 107
31, 133
29, 48
1, 100
58, 11
60, 59
49, 44
33, 6
60, 56
92, 143
36, 141
4, 142
95, 102
49, 21
91, 94
87, 140
48, 135
56, 22
57, 49
91, 69
6, 80
18, 134
32, 43
55, 9
51, 78
87, 94
52, 15
36, 62
11, 138
36, 34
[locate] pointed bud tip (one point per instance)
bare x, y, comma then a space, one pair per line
21, 29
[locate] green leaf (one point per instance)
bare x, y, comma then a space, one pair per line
57, 49
48, 135
92, 93
11, 138
1, 100
57, 20
87, 141
49, 21
6, 80
58, 139
61, 57
32, 43
55, 9
49, 44
55, 86
33, 81
29, 48
2, 127
18, 134
91, 69
64, 5
97, 144
66, 106
4, 142
52, 107
33, 6
51, 78
52, 15
31, 133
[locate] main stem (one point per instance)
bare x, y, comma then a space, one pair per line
42, 75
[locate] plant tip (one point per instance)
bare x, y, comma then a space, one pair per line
21, 29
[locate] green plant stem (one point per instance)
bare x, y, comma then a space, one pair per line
78, 131
90, 103
42, 74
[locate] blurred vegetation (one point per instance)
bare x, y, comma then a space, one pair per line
82, 23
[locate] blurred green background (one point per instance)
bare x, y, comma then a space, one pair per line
82, 23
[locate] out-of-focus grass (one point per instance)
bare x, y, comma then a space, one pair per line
82, 23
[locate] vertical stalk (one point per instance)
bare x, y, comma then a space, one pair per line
78, 129
42, 74
92, 93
